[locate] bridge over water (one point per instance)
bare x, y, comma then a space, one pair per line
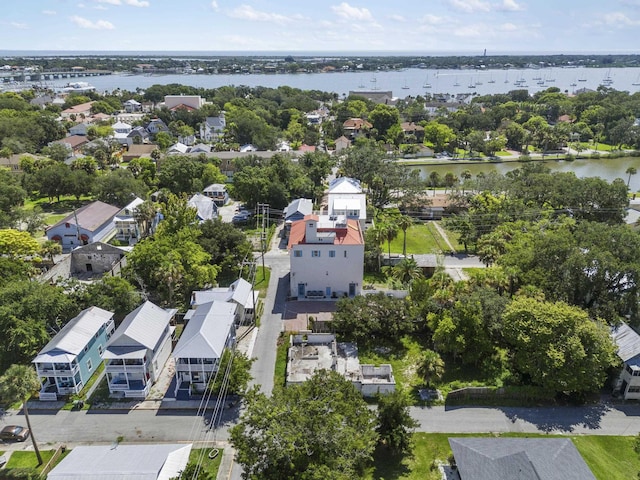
22, 76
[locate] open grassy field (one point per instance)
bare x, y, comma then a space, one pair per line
23, 459
610, 458
421, 238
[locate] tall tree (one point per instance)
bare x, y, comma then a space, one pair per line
17, 384
395, 425
320, 427
548, 340
404, 222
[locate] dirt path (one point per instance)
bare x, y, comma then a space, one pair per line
444, 236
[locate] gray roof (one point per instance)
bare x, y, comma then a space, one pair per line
345, 185
628, 343
206, 207
74, 336
518, 458
238, 292
216, 187
140, 329
216, 122
205, 336
300, 207
91, 216
123, 462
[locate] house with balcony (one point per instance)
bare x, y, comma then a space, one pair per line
627, 340
127, 229
346, 198
92, 223
240, 293
218, 193
355, 127
212, 129
326, 254
71, 357
209, 330
138, 350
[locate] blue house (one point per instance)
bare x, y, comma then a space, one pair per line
70, 358
92, 223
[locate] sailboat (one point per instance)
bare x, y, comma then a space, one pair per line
405, 86
456, 84
374, 81
607, 80
637, 82
573, 84
471, 84
491, 80
426, 83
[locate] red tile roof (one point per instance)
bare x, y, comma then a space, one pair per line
356, 123
352, 235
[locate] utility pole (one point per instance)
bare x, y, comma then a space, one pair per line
264, 228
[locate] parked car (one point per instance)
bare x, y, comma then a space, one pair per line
15, 433
240, 218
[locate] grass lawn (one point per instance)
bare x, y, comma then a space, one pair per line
453, 238
20, 459
404, 362
503, 153
262, 280
280, 371
421, 238
610, 458
209, 467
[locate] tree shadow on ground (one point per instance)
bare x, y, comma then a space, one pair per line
559, 419
389, 467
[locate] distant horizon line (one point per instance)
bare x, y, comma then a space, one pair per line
294, 53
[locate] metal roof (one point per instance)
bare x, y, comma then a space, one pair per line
301, 206
205, 336
75, 335
91, 216
123, 462
206, 207
519, 458
628, 343
345, 185
238, 292
143, 327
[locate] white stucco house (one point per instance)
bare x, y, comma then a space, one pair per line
209, 330
127, 229
92, 223
138, 350
345, 197
326, 255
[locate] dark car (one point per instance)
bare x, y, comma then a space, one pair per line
240, 218
14, 432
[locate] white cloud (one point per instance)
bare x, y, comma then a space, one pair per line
85, 23
511, 6
21, 26
137, 3
397, 18
508, 27
431, 19
348, 12
100, 7
619, 19
49, 12
247, 12
111, 2
470, 6
214, 5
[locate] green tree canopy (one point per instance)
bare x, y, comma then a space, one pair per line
320, 427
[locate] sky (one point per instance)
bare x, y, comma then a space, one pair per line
427, 27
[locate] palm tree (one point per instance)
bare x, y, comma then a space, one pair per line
390, 229
17, 384
630, 171
404, 222
466, 175
376, 235
434, 180
406, 271
431, 366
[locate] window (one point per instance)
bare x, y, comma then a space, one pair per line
332, 253
297, 253
100, 349
315, 253
89, 365
345, 254
633, 390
